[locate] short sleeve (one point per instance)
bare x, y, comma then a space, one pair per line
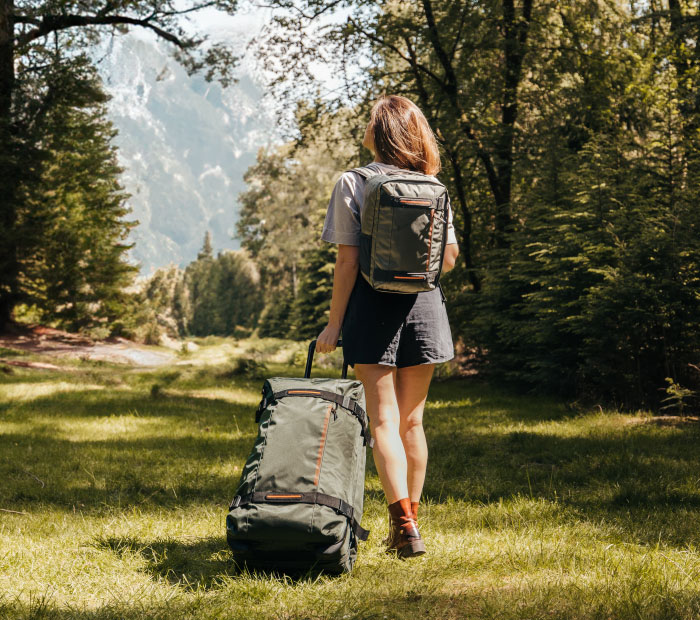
342, 223
451, 236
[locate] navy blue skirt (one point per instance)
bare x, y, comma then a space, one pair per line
396, 329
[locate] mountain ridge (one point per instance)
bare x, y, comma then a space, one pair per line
184, 144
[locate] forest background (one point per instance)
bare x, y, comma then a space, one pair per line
569, 132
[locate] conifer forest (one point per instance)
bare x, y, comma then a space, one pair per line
569, 138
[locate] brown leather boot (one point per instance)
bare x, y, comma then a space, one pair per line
404, 538
414, 512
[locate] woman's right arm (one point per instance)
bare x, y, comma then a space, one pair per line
347, 264
341, 226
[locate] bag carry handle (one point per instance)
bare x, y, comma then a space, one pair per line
310, 360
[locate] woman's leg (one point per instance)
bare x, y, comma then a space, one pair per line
412, 384
383, 411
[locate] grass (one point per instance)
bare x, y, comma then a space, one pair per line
532, 510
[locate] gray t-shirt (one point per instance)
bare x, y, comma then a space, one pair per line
342, 224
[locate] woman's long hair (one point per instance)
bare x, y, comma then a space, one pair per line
402, 136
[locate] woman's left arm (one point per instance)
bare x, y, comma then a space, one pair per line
450, 258
347, 264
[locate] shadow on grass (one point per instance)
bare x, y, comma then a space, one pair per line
640, 479
199, 564
98, 403
121, 473
478, 400
175, 449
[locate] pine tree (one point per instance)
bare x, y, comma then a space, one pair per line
72, 229
207, 250
223, 292
311, 307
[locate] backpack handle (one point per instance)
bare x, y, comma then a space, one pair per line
310, 360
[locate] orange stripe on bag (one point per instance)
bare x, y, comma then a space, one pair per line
303, 392
415, 201
409, 278
430, 242
278, 496
323, 443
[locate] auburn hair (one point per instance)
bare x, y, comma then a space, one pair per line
402, 135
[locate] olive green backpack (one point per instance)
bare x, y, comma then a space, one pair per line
299, 501
403, 230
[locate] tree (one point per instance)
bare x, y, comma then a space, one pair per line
463, 63
207, 250
223, 292
282, 213
311, 307
166, 299
24, 30
569, 130
71, 230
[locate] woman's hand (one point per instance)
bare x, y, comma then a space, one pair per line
327, 340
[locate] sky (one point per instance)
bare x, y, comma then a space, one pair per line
250, 20
239, 29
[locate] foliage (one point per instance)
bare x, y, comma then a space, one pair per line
570, 139
280, 220
223, 291
42, 77
313, 301
167, 294
275, 320
213, 295
677, 396
247, 367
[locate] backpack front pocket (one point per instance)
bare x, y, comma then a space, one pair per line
411, 239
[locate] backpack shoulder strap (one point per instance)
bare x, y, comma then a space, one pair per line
364, 172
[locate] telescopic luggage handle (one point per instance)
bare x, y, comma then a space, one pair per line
310, 360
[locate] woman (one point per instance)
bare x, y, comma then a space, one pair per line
393, 340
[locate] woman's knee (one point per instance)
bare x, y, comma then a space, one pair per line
380, 393
411, 426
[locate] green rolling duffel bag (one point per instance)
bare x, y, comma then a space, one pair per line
299, 501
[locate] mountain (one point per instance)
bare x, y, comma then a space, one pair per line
185, 145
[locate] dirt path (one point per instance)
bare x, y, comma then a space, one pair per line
58, 343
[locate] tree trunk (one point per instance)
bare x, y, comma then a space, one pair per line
516, 31
8, 167
466, 243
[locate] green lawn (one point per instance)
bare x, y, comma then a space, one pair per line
532, 510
